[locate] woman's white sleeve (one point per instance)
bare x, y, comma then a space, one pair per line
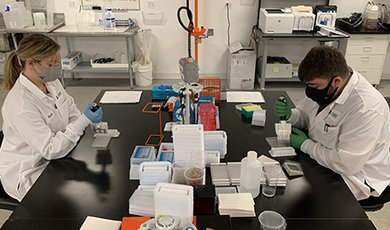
32, 129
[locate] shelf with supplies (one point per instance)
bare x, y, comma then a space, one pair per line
6, 46
263, 41
125, 32
85, 67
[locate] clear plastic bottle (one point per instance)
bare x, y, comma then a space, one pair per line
109, 20
371, 18
250, 174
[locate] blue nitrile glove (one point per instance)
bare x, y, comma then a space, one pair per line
282, 108
94, 113
297, 137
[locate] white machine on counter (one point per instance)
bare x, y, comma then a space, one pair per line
304, 19
276, 21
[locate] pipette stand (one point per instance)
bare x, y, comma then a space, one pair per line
160, 136
187, 89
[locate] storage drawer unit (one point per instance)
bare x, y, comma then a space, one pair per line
366, 54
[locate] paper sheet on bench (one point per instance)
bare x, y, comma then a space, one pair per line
240, 97
121, 97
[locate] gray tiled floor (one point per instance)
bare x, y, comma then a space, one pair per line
85, 90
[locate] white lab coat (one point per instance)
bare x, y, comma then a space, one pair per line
350, 136
37, 128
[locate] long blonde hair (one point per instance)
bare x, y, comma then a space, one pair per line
35, 46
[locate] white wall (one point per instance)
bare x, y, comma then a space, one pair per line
170, 40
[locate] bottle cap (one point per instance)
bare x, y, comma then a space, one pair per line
252, 154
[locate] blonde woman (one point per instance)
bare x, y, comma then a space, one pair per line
41, 121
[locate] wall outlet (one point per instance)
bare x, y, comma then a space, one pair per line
72, 5
151, 4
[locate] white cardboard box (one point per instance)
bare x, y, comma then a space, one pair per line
241, 68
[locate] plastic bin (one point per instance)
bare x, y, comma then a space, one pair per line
211, 87
143, 77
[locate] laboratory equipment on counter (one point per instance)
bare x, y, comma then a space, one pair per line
175, 200
185, 89
326, 15
277, 67
193, 29
250, 174
304, 19
140, 154
151, 173
163, 92
275, 21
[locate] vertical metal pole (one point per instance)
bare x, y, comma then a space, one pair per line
69, 51
129, 59
62, 71
263, 63
14, 40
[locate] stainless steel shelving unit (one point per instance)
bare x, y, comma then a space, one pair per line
263, 40
85, 67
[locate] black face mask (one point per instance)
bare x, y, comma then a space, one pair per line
320, 95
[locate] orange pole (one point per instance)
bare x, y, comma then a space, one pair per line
196, 28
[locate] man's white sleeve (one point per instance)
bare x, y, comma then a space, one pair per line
357, 139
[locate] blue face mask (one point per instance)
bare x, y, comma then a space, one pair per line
49, 74
321, 96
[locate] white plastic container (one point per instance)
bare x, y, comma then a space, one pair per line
143, 77
250, 174
39, 20
270, 220
109, 20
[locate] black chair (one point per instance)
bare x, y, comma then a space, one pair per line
6, 202
376, 203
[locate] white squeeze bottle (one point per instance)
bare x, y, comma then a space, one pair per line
109, 20
250, 174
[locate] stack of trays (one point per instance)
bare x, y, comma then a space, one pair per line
211, 157
140, 154
234, 171
151, 173
174, 200
188, 142
216, 141
142, 201
281, 180
219, 174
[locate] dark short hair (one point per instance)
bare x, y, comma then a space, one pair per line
323, 62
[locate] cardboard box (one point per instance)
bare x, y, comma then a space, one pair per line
71, 60
241, 68
277, 67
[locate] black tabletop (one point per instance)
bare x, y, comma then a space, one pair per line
90, 183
